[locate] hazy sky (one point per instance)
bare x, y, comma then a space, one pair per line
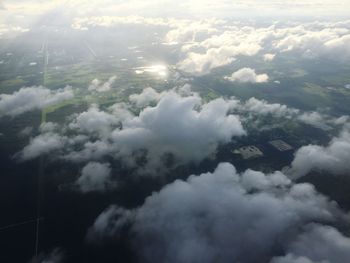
196, 8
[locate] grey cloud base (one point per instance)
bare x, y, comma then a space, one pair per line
223, 216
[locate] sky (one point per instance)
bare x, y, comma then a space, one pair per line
196, 8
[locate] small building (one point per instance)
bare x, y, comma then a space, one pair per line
281, 146
249, 152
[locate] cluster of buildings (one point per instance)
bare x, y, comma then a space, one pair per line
252, 151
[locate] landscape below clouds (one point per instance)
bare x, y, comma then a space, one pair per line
189, 131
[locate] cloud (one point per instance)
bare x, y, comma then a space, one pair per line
94, 122
244, 75
57, 255
184, 127
269, 57
342, 120
225, 41
96, 84
11, 29
218, 217
333, 158
84, 23
197, 63
190, 32
42, 144
290, 258
193, 8
32, 98
262, 107
306, 248
146, 97
175, 126
312, 41
312, 118
95, 177
203, 63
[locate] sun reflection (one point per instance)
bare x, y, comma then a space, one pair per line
158, 69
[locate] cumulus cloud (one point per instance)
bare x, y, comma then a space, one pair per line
318, 243
264, 108
31, 98
185, 127
219, 217
311, 43
217, 50
190, 32
312, 118
203, 63
269, 57
97, 85
175, 126
146, 97
42, 144
95, 177
333, 158
244, 75
225, 41
26, 131
94, 122
342, 120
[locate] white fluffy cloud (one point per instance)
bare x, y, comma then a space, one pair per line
174, 126
146, 97
94, 122
97, 85
203, 63
31, 98
190, 32
221, 216
244, 75
312, 118
333, 158
269, 57
264, 108
331, 42
225, 41
42, 144
184, 127
95, 177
